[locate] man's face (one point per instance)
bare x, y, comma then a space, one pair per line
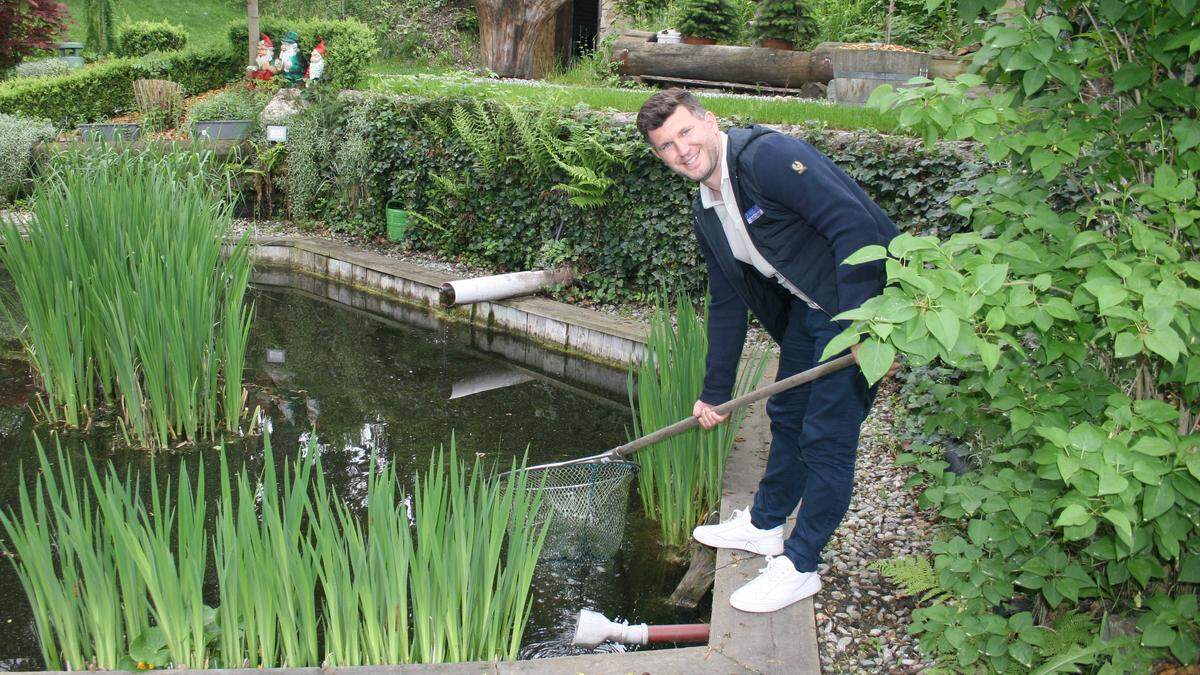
688, 145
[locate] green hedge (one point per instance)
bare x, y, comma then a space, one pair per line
349, 45
638, 241
104, 90
139, 38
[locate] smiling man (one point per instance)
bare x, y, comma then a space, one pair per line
775, 218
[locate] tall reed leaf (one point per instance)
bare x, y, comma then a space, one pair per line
127, 296
680, 478
116, 574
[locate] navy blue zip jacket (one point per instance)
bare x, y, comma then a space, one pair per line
805, 216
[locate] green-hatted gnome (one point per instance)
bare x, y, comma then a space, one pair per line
291, 64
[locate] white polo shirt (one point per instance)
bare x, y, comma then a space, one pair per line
726, 206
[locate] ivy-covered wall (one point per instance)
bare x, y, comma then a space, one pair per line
478, 195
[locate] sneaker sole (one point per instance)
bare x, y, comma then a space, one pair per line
772, 547
806, 591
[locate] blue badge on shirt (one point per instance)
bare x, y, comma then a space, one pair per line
753, 214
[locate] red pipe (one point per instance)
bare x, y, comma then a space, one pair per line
682, 632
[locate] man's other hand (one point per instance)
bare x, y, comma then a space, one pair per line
891, 371
707, 415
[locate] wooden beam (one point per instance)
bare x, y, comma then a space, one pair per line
720, 63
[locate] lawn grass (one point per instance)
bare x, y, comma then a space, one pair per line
750, 108
204, 21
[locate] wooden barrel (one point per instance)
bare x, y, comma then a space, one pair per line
856, 72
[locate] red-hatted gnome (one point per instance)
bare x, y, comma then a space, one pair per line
263, 68
316, 62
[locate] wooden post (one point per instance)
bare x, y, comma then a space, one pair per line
252, 32
699, 577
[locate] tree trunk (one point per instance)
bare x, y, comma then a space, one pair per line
509, 31
252, 25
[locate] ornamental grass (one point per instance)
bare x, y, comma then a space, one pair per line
115, 569
680, 478
127, 299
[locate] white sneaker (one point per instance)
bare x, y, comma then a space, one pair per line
777, 586
738, 532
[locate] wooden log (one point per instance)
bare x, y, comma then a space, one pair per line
638, 56
700, 574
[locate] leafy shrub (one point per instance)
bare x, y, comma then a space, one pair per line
713, 19
48, 67
349, 44
106, 89
489, 204
139, 38
784, 20
17, 138
1070, 311
236, 103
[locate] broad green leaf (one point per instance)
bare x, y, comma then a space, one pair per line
1006, 37
1111, 482
1166, 343
1074, 514
989, 354
995, 318
1187, 134
840, 343
1055, 435
1067, 466
866, 254
1127, 345
1158, 635
1130, 76
1059, 308
943, 324
1154, 446
991, 277
1121, 525
1156, 500
875, 358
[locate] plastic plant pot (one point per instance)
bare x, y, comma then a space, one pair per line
222, 130
110, 132
397, 222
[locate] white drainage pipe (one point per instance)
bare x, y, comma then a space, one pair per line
592, 628
498, 287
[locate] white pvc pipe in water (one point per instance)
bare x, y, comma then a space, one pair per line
498, 287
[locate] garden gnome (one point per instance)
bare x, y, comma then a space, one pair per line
316, 62
290, 62
266, 54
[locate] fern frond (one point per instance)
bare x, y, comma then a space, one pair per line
914, 576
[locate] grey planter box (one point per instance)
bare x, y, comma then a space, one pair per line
110, 132
222, 130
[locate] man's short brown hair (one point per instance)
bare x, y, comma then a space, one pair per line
662, 105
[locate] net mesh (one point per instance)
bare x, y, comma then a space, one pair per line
586, 504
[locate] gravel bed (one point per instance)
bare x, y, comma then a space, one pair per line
862, 619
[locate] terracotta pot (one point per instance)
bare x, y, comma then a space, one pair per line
693, 40
772, 43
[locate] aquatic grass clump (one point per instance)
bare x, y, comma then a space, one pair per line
116, 577
680, 478
127, 298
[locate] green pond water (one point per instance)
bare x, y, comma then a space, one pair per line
374, 376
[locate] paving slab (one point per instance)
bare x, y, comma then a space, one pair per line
778, 642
